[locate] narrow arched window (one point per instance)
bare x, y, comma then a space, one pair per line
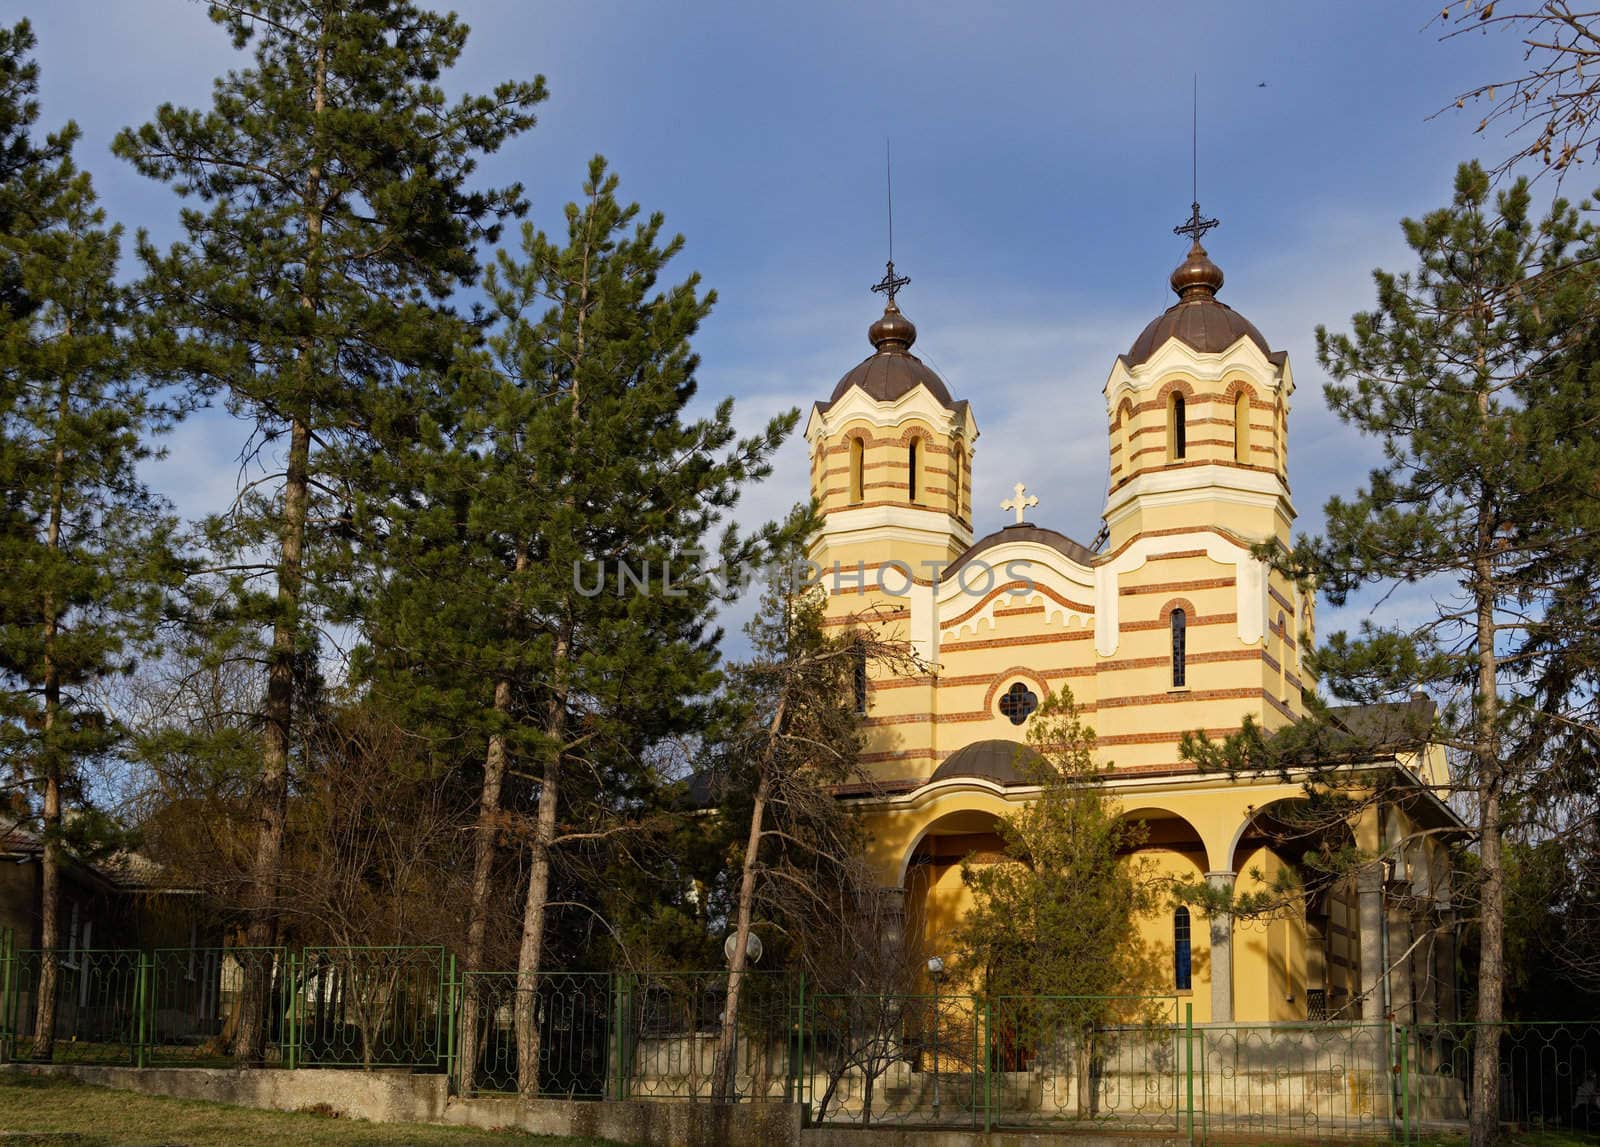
859, 675
1122, 442
1180, 625
858, 453
1280, 424
1181, 977
960, 464
1241, 428
912, 458
1177, 429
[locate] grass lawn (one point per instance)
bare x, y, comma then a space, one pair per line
58, 1112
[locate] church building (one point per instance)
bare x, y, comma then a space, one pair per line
1165, 624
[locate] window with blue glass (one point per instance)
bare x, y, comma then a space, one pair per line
1180, 949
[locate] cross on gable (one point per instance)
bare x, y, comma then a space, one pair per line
890, 284
1197, 225
1022, 502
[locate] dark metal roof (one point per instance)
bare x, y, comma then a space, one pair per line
1203, 324
1388, 725
1026, 532
1197, 320
992, 760
892, 370
890, 373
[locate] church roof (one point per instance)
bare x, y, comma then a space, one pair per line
990, 760
892, 370
1197, 319
1025, 532
887, 375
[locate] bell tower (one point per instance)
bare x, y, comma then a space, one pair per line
891, 460
1198, 412
1198, 416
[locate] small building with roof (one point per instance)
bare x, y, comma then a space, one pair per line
1164, 624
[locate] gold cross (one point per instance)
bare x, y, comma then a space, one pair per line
1020, 503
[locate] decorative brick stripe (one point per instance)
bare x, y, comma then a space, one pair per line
1191, 658
1179, 586
1192, 622
1172, 555
1182, 697
1170, 531
955, 622
1026, 639
1133, 739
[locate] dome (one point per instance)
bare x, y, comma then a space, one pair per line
1197, 319
892, 370
991, 760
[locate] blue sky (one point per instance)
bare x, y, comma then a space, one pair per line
1041, 158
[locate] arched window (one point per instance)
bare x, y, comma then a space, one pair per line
1122, 441
1181, 977
859, 679
960, 464
858, 452
1241, 428
1280, 433
912, 458
1177, 429
1180, 625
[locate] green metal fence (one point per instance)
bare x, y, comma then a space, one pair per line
1322, 1080
1061, 1060
893, 1059
98, 1002
371, 1007
1549, 1074
575, 1016
669, 1035
872, 1060
198, 999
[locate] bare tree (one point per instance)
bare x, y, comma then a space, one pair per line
1549, 108
801, 696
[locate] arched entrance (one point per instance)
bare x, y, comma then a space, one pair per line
936, 897
1298, 953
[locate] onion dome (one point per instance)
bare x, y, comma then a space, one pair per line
1197, 319
892, 371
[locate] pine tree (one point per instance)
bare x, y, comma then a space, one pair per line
85, 560
337, 221
1474, 373
1057, 916
545, 572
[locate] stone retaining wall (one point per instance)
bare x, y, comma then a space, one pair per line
403, 1097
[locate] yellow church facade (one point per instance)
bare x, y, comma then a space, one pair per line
1166, 624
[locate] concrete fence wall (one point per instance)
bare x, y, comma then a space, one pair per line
403, 1097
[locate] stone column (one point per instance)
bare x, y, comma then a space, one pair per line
1369, 888
1221, 952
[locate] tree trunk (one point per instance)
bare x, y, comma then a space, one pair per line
724, 1075
1485, 1102
272, 789
44, 1026
725, 1070
528, 958
494, 772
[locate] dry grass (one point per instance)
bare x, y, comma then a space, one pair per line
57, 1112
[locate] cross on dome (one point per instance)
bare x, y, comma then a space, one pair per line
1021, 503
1197, 225
891, 283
